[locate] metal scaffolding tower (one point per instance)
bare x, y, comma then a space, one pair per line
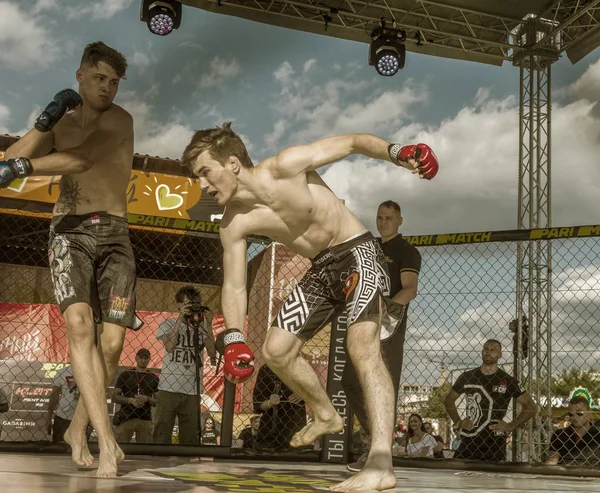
534, 258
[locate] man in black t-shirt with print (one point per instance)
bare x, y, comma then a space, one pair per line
488, 391
404, 264
136, 391
579, 443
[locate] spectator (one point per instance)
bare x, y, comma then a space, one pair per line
488, 391
283, 413
62, 404
438, 451
418, 443
248, 435
136, 391
178, 397
210, 435
577, 444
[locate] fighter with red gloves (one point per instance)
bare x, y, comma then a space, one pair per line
284, 198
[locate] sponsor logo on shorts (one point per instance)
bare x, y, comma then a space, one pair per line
323, 258
350, 283
117, 306
95, 219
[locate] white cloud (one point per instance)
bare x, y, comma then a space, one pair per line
309, 64
45, 5
476, 188
588, 85
166, 139
141, 61
25, 42
220, 71
99, 9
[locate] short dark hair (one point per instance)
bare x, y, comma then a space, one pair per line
99, 52
222, 142
390, 204
579, 399
494, 341
189, 292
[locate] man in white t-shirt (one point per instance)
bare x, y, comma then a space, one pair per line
63, 401
177, 397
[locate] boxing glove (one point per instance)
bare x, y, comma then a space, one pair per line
238, 358
11, 169
428, 164
65, 100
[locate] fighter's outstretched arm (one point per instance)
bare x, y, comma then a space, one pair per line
301, 159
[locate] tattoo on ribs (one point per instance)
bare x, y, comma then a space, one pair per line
69, 195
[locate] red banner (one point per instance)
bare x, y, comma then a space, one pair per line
38, 333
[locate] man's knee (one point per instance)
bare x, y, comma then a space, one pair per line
80, 325
113, 337
280, 348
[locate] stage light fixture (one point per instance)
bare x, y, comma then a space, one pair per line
387, 52
161, 16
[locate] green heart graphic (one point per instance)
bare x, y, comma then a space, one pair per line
167, 200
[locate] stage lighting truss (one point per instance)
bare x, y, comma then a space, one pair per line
161, 16
387, 52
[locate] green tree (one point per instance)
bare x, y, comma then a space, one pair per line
435, 409
575, 378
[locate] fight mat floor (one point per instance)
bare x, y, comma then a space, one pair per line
56, 473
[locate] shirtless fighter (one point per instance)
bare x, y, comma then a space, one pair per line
91, 259
284, 198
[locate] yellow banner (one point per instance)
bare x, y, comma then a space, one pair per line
152, 194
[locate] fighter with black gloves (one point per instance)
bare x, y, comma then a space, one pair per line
91, 260
21, 167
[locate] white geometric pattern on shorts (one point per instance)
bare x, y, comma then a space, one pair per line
294, 314
372, 279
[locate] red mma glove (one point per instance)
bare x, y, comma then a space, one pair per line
428, 164
238, 358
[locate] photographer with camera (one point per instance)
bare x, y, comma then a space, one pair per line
180, 384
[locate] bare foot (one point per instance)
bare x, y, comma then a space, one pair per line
368, 479
315, 429
107, 468
80, 453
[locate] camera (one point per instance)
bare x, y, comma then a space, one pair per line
197, 307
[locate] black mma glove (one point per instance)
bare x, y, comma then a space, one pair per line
65, 100
11, 169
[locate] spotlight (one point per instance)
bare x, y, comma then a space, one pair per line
162, 16
387, 52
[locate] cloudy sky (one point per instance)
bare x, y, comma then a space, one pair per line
282, 87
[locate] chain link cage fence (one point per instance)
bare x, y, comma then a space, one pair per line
152, 397
544, 313
546, 325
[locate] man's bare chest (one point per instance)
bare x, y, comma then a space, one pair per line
69, 134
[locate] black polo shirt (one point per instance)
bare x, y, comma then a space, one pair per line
400, 256
132, 383
573, 448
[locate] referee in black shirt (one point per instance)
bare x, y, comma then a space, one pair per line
404, 265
